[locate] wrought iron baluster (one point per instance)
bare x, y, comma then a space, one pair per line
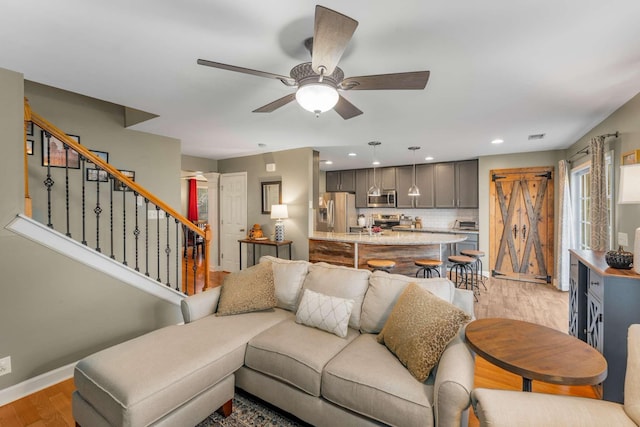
98, 210
185, 277
177, 255
124, 225
84, 225
146, 235
158, 241
66, 185
48, 182
194, 253
136, 230
167, 250
111, 214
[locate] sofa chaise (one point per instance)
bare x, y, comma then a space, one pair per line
178, 375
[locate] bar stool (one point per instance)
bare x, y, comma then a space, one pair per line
381, 264
463, 268
477, 255
428, 266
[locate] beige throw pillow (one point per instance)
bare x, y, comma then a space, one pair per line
247, 290
419, 328
325, 312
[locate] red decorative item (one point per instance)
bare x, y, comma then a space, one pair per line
192, 212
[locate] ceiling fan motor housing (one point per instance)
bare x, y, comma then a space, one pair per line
304, 74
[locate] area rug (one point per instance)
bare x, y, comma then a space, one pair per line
251, 411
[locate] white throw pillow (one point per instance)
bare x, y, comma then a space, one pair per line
341, 282
288, 277
324, 312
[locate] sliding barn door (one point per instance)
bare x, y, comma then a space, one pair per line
521, 224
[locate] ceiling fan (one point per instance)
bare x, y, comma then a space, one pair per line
318, 82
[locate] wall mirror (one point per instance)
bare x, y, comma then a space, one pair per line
271, 195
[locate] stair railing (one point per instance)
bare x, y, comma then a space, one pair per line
190, 231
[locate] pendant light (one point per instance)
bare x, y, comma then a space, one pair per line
414, 191
374, 190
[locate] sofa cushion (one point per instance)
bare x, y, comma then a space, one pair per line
419, 328
325, 312
295, 354
366, 378
247, 290
384, 290
141, 380
288, 277
341, 282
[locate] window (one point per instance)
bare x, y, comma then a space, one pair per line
581, 196
203, 202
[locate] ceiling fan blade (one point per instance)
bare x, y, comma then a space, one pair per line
272, 106
284, 79
411, 80
346, 109
331, 35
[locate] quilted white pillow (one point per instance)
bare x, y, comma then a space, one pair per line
325, 312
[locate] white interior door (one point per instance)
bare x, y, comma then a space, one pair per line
233, 219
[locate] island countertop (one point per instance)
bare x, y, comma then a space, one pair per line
390, 238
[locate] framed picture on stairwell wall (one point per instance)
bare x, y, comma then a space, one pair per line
119, 186
58, 154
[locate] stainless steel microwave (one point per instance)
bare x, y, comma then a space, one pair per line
386, 199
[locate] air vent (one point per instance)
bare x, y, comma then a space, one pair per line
536, 136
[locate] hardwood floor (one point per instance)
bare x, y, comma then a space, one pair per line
536, 303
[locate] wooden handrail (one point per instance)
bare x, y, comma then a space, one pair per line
30, 115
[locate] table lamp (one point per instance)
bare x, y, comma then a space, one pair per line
630, 194
279, 212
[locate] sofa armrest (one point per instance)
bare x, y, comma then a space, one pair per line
200, 305
453, 383
463, 299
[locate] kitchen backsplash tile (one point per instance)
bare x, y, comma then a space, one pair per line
436, 218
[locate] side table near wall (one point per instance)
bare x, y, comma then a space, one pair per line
264, 242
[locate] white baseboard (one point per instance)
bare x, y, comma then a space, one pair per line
32, 385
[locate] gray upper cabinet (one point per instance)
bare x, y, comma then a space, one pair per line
425, 180
341, 181
445, 185
467, 184
404, 180
364, 179
387, 178
457, 184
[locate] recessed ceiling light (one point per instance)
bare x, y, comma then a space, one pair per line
376, 163
497, 141
328, 162
428, 158
352, 154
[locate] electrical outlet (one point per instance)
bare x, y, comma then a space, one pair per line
5, 365
623, 239
152, 214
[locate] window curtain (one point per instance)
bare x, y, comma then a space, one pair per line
598, 214
565, 227
192, 210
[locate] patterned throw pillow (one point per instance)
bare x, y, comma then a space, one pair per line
419, 328
247, 290
325, 312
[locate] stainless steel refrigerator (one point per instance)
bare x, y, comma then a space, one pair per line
336, 212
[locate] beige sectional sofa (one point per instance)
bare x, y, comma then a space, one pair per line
177, 375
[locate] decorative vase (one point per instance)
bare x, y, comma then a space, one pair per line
620, 259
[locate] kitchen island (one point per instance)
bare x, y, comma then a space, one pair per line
354, 249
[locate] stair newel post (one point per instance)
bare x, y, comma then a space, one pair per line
207, 255
125, 189
66, 185
158, 242
177, 254
146, 236
136, 230
167, 250
84, 210
115, 182
48, 182
98, 210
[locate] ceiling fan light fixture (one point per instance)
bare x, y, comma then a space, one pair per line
317, 97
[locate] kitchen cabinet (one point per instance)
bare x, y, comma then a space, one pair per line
425, 177
364, 180
341, 181
387, 178
602, 306
456, 184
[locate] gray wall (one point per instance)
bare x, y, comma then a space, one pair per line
192, 164
295, 169
53, 310
625, 120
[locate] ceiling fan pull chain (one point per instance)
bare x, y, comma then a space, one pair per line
322, 70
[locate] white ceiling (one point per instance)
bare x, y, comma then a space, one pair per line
499, 69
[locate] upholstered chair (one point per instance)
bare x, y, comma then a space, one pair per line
503, 408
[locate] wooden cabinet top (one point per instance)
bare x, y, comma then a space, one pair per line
595, 260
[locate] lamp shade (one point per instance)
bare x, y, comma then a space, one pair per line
629, 184
317, 97
279, 212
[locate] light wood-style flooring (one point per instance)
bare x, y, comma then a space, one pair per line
536, 303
